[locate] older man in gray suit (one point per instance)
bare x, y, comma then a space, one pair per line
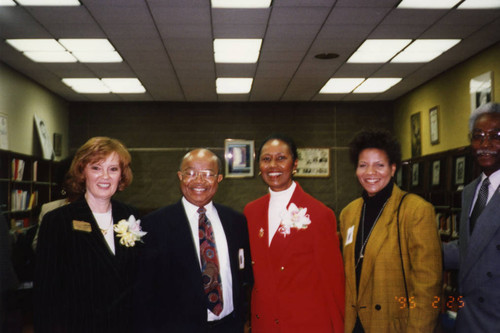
477, 253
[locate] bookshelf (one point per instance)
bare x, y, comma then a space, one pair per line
440, 178
26, 182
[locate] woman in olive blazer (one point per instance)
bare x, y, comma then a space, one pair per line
400, 280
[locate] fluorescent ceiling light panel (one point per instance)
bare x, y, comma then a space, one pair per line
86, 44
105, 86
376, 85
241, 3
50, 57
87, 86
425, 50
378, 50
428, 4
7, 3
233, 85
340, 86
98, 56
124, 86
228, 50
56, 3
479, 4
24, 45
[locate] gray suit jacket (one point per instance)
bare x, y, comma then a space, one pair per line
479, 266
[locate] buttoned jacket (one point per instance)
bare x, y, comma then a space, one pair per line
479, 270
380, 302
299, 278
80, 285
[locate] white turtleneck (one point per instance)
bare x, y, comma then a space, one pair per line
277, 205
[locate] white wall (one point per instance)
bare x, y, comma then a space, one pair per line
20, 100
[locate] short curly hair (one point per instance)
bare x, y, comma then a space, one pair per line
483, 109
376, 138
95, 150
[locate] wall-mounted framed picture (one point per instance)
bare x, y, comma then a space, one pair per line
239, 158
460, 170
43, 134
313, 162
4, 132
415, 175
481, 90
436, 173
57, 144
416, 140
434, 125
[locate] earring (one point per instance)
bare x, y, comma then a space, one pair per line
260, 173
294, 172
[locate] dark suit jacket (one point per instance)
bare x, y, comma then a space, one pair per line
80, 286
169, 293
479, 271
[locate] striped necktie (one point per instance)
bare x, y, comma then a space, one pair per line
482, 197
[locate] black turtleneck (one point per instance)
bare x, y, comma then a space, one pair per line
373, 206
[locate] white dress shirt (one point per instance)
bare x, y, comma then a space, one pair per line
222, 252
492, 188
277, 205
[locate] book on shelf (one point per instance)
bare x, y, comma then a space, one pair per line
19, 223
17, 169
35, 171
23, 200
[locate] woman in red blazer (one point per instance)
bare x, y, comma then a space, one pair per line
297, 265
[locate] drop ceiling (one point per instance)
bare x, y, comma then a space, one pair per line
168, 45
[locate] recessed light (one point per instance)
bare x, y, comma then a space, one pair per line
233, 85
479, 4
424, 50
54, 3
340, 85
376, 85
428, 4
378, 50
241, 3
229, 50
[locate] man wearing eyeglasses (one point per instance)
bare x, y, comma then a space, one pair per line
477, 254
195, 270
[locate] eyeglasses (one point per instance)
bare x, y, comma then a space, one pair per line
479, 136
204, 174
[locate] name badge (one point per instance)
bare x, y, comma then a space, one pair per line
241, 258
82, 226
350, 233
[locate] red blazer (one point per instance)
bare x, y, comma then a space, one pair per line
299, 279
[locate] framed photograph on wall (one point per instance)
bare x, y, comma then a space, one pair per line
313, 162
415, 174
4, 132
57, 144
434, 125
239, 158
436, 173
460, 170
43, 134
481, 90
416, 140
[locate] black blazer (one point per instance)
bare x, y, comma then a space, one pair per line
80, 286
169, 293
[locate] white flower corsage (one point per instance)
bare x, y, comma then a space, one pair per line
293, 217
129, 231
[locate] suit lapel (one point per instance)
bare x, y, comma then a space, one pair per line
486, 227
378, 237
468, 197
350, 255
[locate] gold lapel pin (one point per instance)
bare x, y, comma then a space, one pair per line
261, 232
